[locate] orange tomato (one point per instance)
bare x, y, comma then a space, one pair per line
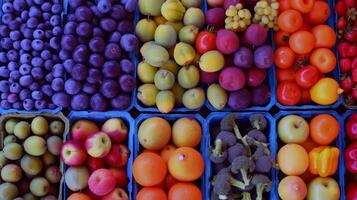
186, 164
281, 38
284, 5
149, 169
324, 59
170, 181
79, 196
324, 36
149, 193
304, 6
302, 42
290, 20
324, 129
167, 151
186, 191
284, 57
319, 13
285, 74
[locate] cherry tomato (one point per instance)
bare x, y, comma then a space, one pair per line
324, 36
284, 5
319, 13
324, 59
284, 57
205, 41
285, 74
281, 38
290, 20
304, 6
289, 93
307, 76
302, 42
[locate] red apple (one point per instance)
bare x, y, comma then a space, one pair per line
73, 153
98, 145
91, 194
95, 163
120, 177
101, 182
125, 153
82, 129
117, 194
116, 129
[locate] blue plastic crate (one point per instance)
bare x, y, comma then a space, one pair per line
331, 21
153, 109
171, 118
339, 142
213, 120
100, 118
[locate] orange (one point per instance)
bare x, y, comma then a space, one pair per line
79, 196
150, 193
185, 191
186, 132
290, 21
293, 159
167, 151
319, 13
324, 59
325, 36
170, 181
302, 42
324, 129
149, 169
186, 164
154, 133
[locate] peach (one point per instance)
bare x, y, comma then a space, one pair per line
11, 173
292, 188
8, 191
76, 178
98, 145
73, 153
101, 182
54, 145
116, 130
39, 186
82, 129
31, 165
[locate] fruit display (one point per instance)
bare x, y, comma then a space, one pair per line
240, 157
350, 155
96, 158
169, 164
307, 157
30, 166
30, 32
304, 57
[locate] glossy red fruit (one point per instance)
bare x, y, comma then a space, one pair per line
289, 93
346, 84
255, 76
354, 63
345, 64
305, 97
350, 3
351, 36
352, 51
341, 23
205, 41
354, 75
340, 8
354, 94
342, 48
307, 76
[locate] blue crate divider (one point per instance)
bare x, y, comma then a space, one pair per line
331, 21
215, 118
101, 117
339, 142
171, 119
136, 55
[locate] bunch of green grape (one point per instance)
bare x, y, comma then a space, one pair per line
237, 18
267, 13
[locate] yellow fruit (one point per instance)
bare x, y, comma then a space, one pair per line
178, 92
212, 61
164, 79
217, 96
150, 7
184, 54
188, 77
145, 30
172, 66
173, 10
165, 35
191, 3
186, 132
194, 16
193, 98
325, 92
177, 25
155, 55
188, 34
146, 72
160, 20
146, 46
154, 133
165, 101
147, 94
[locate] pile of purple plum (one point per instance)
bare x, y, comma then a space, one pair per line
97, 38
30, 34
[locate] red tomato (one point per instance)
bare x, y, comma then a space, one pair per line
289, 93
307, 76
205, 41
285, 74
305, 98
284, 57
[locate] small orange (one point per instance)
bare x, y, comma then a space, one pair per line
186, 191
170, 181
186, 132
149, 169
154, 133
150, 193
79, 196
324, 129
186, 164
167, 151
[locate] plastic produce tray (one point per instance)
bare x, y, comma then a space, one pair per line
214, 119
100, 118
28, 116
339, 142
172, 118
331, 21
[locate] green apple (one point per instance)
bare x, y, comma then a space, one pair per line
323, 188
293, 129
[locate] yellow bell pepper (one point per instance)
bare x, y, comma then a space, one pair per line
324, 160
